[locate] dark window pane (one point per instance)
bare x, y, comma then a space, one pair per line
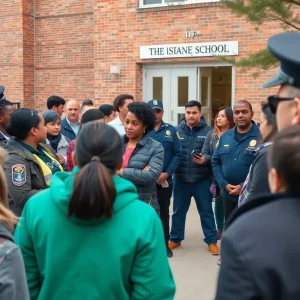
148, 2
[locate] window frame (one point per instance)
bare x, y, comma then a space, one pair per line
179, 2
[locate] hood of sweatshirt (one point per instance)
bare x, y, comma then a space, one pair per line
62, 186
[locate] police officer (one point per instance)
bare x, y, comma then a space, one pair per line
30, 165
167, 135
233, 155
262, 236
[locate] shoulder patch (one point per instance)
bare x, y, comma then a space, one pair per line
18, 175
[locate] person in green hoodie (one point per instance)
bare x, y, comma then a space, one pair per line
89, 236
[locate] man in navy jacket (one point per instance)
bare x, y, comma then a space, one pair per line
70, 124
192, 179
234, 154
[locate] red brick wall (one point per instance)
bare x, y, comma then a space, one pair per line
64, 50
11, 45
67, 47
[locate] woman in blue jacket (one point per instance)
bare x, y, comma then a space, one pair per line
143, 156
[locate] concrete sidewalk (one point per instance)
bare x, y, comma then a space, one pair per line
194, 268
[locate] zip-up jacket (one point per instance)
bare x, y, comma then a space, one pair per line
147, 152
192, 139
33, 180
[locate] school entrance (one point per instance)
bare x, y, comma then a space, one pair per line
211, 85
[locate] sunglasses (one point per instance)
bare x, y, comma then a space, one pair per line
274, 100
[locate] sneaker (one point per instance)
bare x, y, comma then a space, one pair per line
214, 249
220, 233
173, 245
169, 252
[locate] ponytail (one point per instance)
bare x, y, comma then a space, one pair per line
93, 192
6, 216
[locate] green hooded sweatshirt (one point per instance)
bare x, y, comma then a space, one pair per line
112, 259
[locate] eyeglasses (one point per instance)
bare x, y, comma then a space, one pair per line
274, 100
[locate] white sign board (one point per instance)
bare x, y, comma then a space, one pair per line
190, 50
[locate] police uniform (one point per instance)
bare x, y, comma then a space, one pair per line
262, 236
232, 159
27, 171
168, 136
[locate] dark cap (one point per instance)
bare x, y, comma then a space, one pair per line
156, 104
285, 47
2, 88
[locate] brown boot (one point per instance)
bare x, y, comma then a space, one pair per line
213, 249
173, 245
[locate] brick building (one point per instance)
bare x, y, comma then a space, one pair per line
99, 48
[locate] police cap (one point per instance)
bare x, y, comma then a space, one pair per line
156, 104
285, 47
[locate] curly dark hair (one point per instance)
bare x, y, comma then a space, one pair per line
144, 113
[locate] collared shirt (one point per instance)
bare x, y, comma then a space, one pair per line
75, 127
118, 125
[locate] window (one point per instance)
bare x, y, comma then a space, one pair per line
151, 3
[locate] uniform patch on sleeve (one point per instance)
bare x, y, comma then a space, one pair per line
18, 174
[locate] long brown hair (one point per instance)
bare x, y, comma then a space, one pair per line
6, 216
229, 115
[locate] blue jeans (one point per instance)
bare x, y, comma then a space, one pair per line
183, 192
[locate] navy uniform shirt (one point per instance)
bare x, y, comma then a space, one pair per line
233, 157
168, 136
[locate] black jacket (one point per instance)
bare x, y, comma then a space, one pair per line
261, 251
67, 131
192, 139
258, 184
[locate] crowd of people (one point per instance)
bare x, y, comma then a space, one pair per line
85, 194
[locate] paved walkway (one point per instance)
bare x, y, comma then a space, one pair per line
194, 268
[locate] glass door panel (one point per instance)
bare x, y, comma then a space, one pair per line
157, 86
183, 88
204, 92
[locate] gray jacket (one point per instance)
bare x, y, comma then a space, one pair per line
31, 180
13, 284
209, 146
147, 152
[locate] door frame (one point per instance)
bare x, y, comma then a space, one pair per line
189, 65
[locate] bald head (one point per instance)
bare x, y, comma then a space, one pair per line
72, 111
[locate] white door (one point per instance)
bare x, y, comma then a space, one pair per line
157, 86
183, 89
204, 92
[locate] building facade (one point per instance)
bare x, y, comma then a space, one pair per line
98, 49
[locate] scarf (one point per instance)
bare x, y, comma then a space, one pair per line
54, 140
